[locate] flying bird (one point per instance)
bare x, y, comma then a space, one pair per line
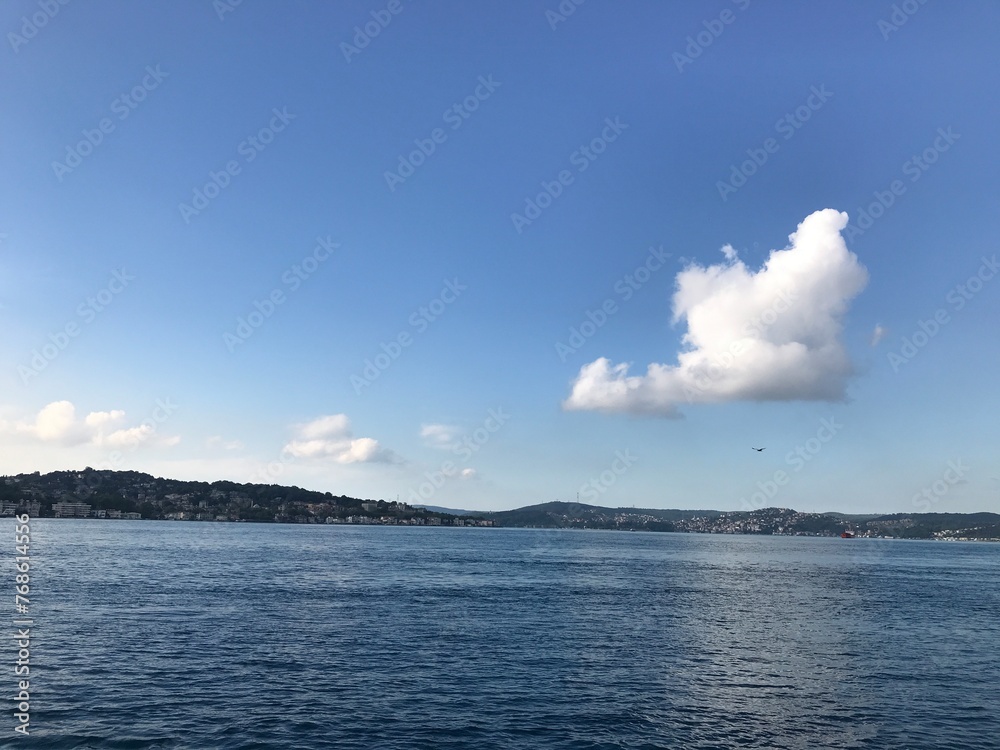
758, 449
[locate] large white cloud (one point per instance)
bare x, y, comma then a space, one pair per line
766, 335
330, 437
56, 422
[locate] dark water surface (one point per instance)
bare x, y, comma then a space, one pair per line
176, 635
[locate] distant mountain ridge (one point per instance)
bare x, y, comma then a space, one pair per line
561, 514
452, 511
159, 498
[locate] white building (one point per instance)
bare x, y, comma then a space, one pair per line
71, 510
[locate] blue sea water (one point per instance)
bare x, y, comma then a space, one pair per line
195, 635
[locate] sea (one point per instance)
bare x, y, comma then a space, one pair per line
156, 634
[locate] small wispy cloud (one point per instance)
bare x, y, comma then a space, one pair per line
878, 334
217, 441
442, 436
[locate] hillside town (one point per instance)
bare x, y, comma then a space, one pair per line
129, 495
132, 496
767, 521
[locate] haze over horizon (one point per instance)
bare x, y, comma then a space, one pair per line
489, 257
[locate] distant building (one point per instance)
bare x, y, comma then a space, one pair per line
369, 506
71, 510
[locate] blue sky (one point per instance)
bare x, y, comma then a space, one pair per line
174, 171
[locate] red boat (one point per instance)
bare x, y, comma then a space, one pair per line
846, 535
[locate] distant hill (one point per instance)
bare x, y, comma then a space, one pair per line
452, 511
560, 514
923, 525
110, 494
569, 515
856, 517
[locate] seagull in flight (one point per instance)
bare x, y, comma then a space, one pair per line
757, 449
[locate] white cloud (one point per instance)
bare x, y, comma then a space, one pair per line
57, 423
333, 425
101, 419
468, 473
442, 436
217, 441
766, 335
878, 334
330, 437
130, 438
